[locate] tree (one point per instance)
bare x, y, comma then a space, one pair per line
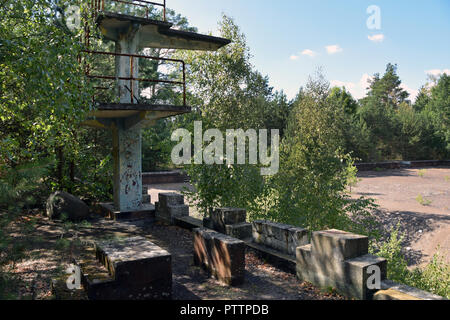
378, 110
311, 188
45, 97
439, 110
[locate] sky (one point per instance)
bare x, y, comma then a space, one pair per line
350, 40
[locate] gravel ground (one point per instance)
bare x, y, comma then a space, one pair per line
48, 253
418, 200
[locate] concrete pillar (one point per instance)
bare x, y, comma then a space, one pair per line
127, 146
127, 154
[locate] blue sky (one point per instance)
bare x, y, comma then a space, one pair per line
289, 39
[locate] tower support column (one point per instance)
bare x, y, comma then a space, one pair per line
127, 154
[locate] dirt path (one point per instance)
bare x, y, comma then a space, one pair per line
418, 200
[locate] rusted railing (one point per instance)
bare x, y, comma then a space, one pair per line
99, 5
133, 79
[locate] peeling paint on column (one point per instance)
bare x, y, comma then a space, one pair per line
128, 170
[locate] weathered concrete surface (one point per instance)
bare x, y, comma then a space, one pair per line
240, 231
171, 206
281, 237
391, 290
156, 34
221, 217
221, 255
127, 156
129, 269
339, 260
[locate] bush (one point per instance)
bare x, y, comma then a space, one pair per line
434, 277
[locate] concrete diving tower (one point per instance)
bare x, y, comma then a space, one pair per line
128, 115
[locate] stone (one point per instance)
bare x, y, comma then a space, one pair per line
62, 203
222, 255
240, 231
227, 216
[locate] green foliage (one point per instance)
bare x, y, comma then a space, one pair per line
434, 277
20, 187
311, 188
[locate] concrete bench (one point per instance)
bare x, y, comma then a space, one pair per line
127, 269
222, 255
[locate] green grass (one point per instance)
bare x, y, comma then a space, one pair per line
422, 173
424, 202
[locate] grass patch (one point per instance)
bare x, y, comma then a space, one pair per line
422, 173
421, 200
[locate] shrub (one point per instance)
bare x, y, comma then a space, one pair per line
434, 277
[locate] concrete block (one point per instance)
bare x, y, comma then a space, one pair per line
240, 231
257, 225
222, 255
170, 199
339, 245
227, 216
277, 236
354, 283
139, 269
391, 290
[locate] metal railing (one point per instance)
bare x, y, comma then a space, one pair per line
133, 79
99, 5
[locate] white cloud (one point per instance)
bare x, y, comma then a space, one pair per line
437, 72
413, 93
358, 89
308, 52
294, 57
376, 37
332, 49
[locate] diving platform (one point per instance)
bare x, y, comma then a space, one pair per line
134, 90
155, 33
